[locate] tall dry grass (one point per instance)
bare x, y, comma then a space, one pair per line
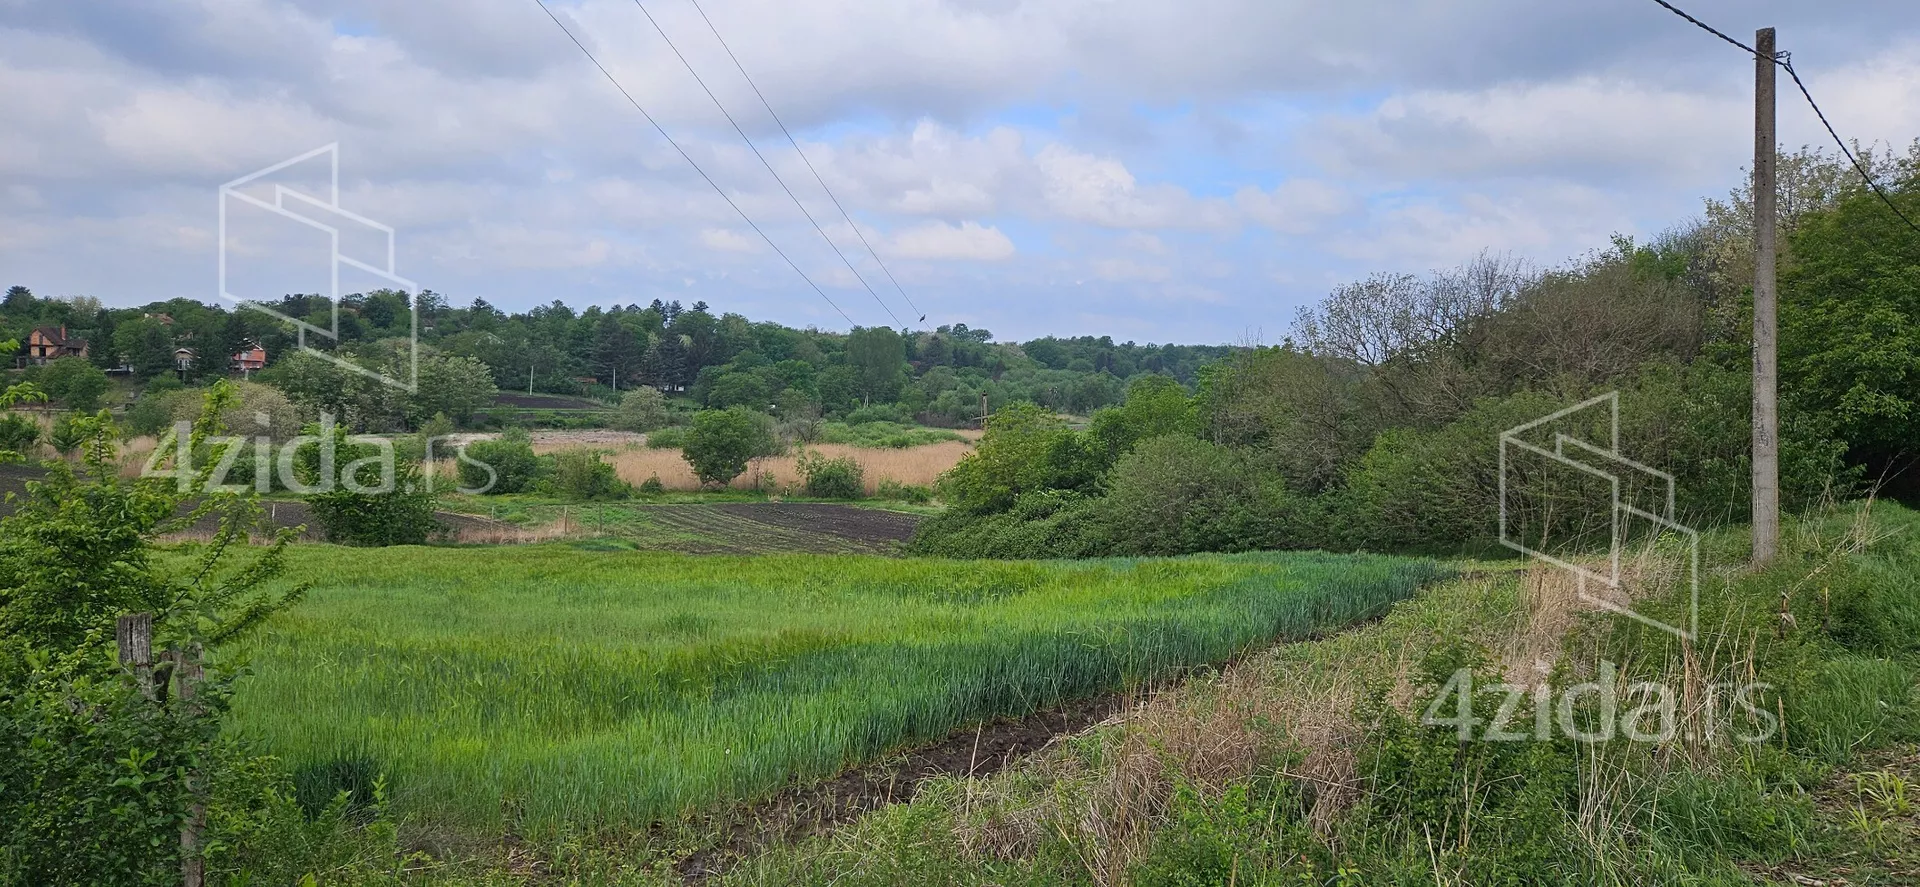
919, 466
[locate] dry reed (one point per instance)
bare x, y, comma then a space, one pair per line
917, 466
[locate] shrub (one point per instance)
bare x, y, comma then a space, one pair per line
1042, 524
74, 382
18, 433
880, 412
503, 465
1026, 449
362, 505
652, 486
721, 442
891, 489
642, 409
841, 478
1177, 494
883, 434
583, 475
673, 437
98, 773
69, 432
256, 410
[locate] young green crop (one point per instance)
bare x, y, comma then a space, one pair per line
556, 686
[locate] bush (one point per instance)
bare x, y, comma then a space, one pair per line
841, 478
152, 414
1042, 524
581, 474
883, 434
361, 505
880, 412
721, 442
69, 433
504, 465
74, 382
257, 410
652, 486
1026, 449
18, 433
893, 490
98, 773
670, 438
642, 409
1177, 494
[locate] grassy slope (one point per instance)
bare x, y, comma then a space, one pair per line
1287, 769
562, 687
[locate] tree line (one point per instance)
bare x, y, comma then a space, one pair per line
716, 360
1377, 423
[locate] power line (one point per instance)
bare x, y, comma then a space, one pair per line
1706, 27
803, 157
763, 161
689, 158
1786, 61
1865, 174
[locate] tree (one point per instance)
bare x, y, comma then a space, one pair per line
720, 443
368, 495
456, 386
879, 359
1850, 324
1026, 449
104, 779
1155, 405
75, 382
504, 465
147, 345
641, 409
1175, 494
616, 352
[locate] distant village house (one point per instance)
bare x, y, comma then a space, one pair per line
250, 359
50, 343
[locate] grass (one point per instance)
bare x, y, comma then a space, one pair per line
888, 435
1305, 764
682, 522
549, 687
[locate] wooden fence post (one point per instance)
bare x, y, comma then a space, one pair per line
192, 867
134, 633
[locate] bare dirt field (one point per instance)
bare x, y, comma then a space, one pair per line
546, 402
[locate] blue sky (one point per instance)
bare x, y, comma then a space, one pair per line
1154, 171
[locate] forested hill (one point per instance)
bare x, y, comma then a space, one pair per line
720, 359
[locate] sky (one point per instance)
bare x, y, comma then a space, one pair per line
1156, 171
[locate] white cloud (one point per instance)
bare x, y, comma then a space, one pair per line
938, 240
1296, 206
1115, 137
728, 241
1130, 271
1100, 190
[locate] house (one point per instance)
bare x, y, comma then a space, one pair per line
250, 359
50, 343
183, 359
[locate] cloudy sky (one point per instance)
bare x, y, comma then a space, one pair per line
1154, 170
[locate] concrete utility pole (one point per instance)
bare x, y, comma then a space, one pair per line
1766, 414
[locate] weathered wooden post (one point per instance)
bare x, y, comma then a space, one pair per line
192, 867
134, 633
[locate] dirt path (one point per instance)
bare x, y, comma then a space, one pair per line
804, 811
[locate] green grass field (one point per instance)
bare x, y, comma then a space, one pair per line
554, 687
